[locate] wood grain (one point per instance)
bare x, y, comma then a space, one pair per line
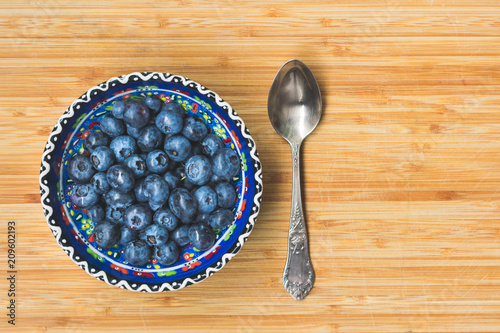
401, 177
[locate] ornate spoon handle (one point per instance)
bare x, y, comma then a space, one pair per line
298, 276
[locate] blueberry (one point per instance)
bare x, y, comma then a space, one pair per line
137, 252
166, 218
84, 196
226, 194
156, 189
172, 179
157, 161
137, 217
128, 235
211, 143
154, 103
206, 198
155, 235
221, 218
155, 206
133, 132
136, 165
119, 108
177, 147
123, 146
201, 236
120, 178
112, 126
198, 169
180, 235
150, 138
167, 253
139, 191
100, 183
183, 204
96, 213
102, 158
136, 114
107, 234
225, 163
194, 129
94, 140
116, 199
115, 215
202, 218
80, 169
171, 119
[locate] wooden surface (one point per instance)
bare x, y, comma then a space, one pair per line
401, 177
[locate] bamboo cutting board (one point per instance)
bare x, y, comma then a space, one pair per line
400, 179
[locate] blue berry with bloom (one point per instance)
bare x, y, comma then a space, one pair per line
137, 252
166, 218
180, 235
182, 203
158, 161
119, 108
167, 253
136, 114
225, 163
153, 103
94, 140
106, 234
120, 178
206, 198
137, 165
194, 129
150, 138
170, 120
96, 213
112, 126
123, 146
221, 218
211, 143
116, 199
100, 183
226, 194
156, 189
80, 169
177, 147
102, 158
201, 236
137, 217
155, 235
114, 215
84, 196
198, 170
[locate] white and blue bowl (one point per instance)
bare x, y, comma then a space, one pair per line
73, 230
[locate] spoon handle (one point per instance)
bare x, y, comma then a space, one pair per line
298, 276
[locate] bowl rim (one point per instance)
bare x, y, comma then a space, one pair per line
101, 274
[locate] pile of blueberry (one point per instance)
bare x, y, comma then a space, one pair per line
156, 180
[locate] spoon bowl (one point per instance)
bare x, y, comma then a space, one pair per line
294, 108
294, 104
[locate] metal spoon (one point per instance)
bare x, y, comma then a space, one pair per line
294, 108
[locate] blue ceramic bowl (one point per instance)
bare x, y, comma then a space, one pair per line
71, 226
